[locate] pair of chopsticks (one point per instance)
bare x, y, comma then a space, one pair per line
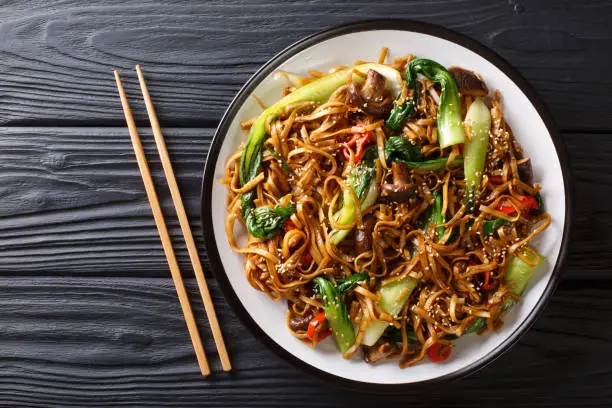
163, 230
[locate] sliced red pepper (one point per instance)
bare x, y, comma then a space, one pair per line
289, 225
496, 179
346, 153
506, 209
356, 136
318, 319
529, 202
526, 203
323, 334
360, 144
360, 140
439, 353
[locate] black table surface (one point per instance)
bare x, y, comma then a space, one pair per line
89, 315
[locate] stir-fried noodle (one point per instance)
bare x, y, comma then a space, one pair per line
418, 228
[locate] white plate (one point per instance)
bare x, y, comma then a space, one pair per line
530, 123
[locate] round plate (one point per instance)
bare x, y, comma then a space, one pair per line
531, 124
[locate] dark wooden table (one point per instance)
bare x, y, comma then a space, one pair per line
88, 313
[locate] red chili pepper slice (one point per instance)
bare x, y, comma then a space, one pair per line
360, 144
346, 153
506, 209
289, 225
526, 203
359, 140
313, 324
323, 334
356, 136
439, 353
529, 202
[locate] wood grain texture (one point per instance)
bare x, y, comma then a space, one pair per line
56, 61
115, 342
72, 201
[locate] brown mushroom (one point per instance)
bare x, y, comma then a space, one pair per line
469, 83
400, 173
371, 98
399, 193
300, 323
363, 236
401, 190
374, 87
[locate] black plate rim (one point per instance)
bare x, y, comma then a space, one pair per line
270, 66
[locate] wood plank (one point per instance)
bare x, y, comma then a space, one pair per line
113, 342
72, 201
56, 62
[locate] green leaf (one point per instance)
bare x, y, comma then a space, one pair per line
490, 227
335, 313
436, 218
540, 202
449, 120
394, 335
347, 284
400, 148
264, 222
363, 173
433, 164
479, 324
402, 112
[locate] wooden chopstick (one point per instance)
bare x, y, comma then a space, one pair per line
163, 231
184, 222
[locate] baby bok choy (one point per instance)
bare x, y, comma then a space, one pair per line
265, 223
478, 123
347, 284
449, 123
362, 182
393, 296
405, 107
335, 313
400, 149
436, 218
517, 275
518, 272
